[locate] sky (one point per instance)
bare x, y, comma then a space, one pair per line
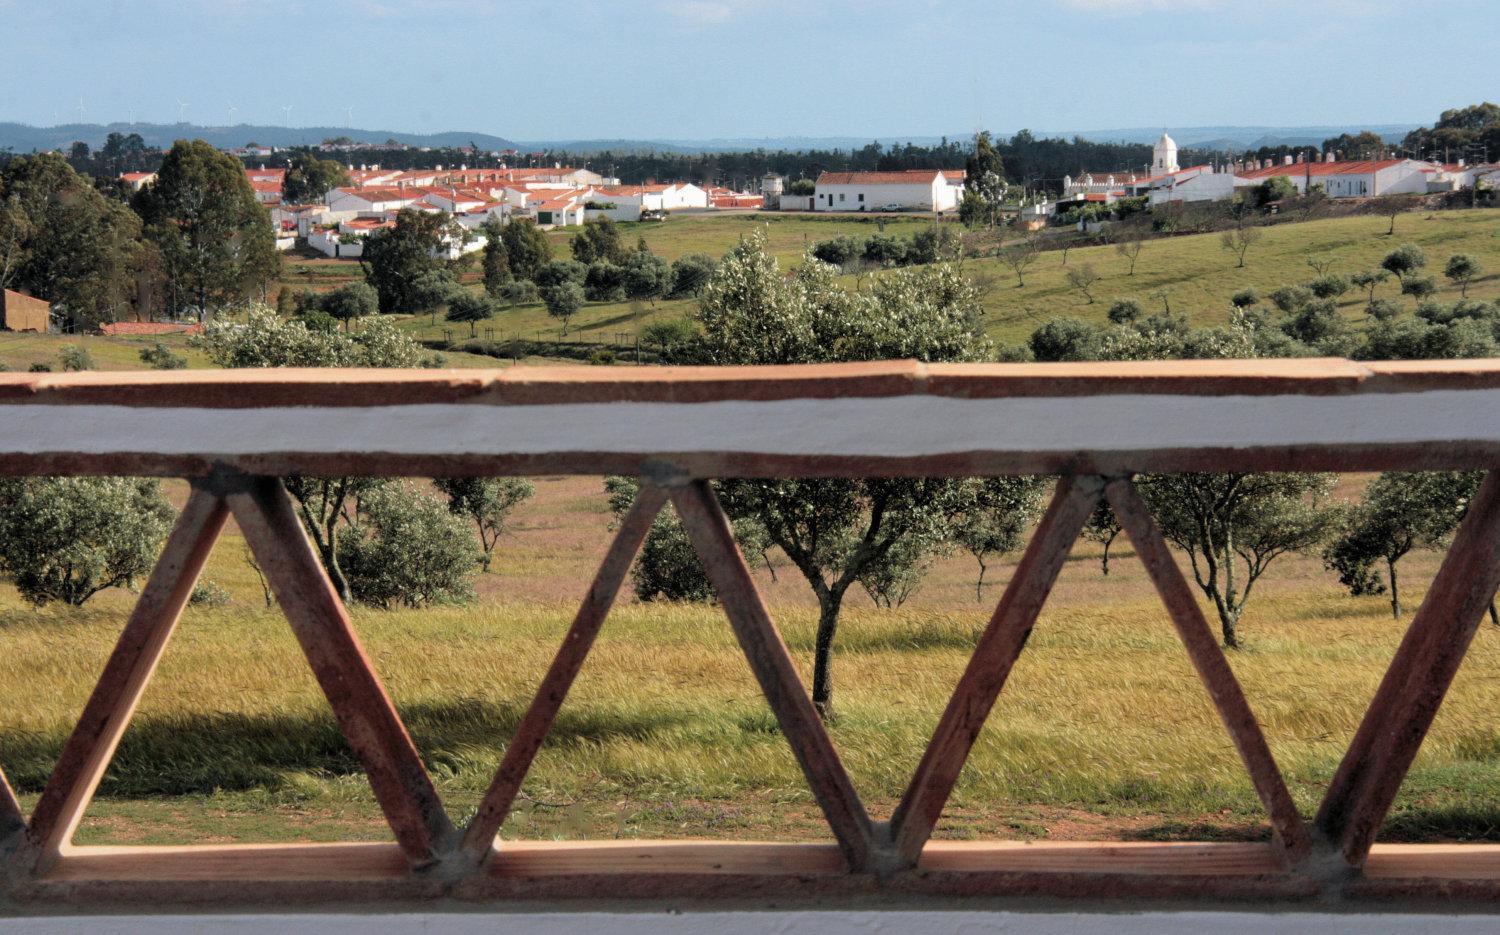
705, 69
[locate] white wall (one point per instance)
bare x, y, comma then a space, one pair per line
1206, 186
847, 197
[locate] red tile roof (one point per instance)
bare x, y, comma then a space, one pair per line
1323, 168
149, 327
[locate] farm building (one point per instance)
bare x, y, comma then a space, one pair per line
24, 313
909, 190
1350, 179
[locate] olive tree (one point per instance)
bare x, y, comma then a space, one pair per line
1401, 511
1103, 527
836, 531
1461, 270
1233, 526
995, 519
405, 547
488, 502
68, 538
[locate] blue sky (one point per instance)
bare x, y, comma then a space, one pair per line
745, 68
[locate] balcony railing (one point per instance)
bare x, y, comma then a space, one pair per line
232, 434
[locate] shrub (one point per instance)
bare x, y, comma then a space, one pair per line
604, 282
932, 245
838, 251
407, 548
317, 320
208, 594
1384, 309
647, 276
602, 357
519, 292
76, 357
1124, 311
1328, 287
68, 538
355, 300
1420, 287
39, 367
1291, 298
470, 307
667, 567
160, 357
1244, 298
558, 272
691, 273
1404, 260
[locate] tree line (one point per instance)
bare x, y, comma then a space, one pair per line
194, 240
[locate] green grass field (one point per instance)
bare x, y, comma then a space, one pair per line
1103, 731
1193, 275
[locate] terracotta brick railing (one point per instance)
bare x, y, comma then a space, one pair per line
232, 434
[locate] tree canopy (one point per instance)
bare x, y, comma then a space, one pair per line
214, 238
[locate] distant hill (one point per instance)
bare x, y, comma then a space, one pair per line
23, 138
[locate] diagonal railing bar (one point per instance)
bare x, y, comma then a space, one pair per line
479, 837
12, 821
363, 709
713, 540
1212, 667
994, 655
90, 747
1386, 743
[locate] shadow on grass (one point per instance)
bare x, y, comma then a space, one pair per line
201, 754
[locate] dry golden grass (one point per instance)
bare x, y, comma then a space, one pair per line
1103, 731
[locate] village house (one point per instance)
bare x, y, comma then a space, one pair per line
908, 190
136, 181
267, 184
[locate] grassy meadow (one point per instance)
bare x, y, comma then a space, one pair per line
1103, 731
1191, 274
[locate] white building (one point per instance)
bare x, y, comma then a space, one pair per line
911, 190
1368, 179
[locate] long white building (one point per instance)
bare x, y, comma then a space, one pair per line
909, 190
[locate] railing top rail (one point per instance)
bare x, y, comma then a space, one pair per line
855, 419
251, 388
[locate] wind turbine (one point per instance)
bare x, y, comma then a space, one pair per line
287, 113
349, 116
181, 110
232, 111
80, 110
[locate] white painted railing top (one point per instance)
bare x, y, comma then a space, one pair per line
902, 417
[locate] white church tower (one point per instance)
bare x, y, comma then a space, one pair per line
1164, 156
